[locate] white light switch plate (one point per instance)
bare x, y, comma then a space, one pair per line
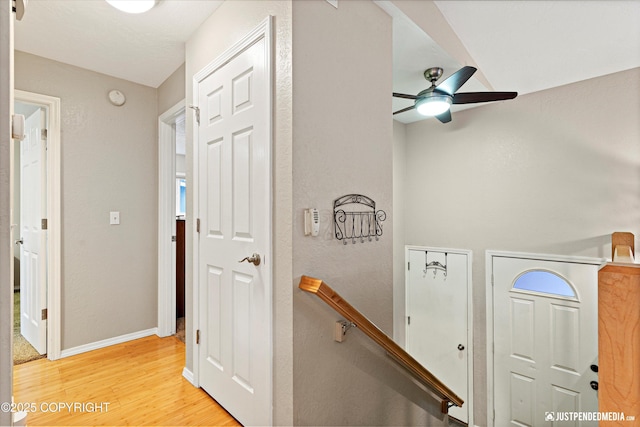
114, 218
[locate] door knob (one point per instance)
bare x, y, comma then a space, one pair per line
460, 347
253, 259
19, 242
594, 385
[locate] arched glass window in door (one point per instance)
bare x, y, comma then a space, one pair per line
545, 282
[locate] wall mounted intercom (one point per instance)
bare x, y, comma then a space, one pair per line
311, 222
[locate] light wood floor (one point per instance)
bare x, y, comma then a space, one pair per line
141, 380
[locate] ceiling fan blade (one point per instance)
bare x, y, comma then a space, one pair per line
472, 97
404, 109
402, 95
444, 117
456, 80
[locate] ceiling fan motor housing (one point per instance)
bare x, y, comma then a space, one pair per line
433, 74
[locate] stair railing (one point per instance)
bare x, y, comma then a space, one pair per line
316, 286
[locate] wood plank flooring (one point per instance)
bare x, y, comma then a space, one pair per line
141, 382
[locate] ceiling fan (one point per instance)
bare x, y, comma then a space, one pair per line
436, 100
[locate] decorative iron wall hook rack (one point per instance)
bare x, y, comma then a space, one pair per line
435, 265
356, 218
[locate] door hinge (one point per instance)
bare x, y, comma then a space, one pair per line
44, 314
408, 266
44, 224
198, 225
408, 320
44, 133
174, 238
197, 111
198, 336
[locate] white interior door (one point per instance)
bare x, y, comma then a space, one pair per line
234, 146
33, 274
437, 322
546, 339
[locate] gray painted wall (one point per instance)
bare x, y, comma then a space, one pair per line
172, 90
552, 172
343, 133
109, 163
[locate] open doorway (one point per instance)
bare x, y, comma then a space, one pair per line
36, 229
171, 221
181, 212
29, 206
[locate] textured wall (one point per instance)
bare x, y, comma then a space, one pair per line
109, 163
551, 172
343, 133
172, 90
228, 24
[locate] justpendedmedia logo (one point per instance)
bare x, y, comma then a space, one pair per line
588, 416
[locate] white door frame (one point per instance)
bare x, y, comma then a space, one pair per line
490, 254
469, 255
167, 219
54, 219
262, 31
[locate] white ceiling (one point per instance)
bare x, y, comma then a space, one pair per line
144, 48
522, 46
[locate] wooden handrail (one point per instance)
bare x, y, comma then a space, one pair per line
331, 297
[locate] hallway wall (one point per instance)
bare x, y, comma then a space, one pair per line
342, 133
109, 163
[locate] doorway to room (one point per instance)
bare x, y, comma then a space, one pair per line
181, 212
30, 252
36, 229
171, 221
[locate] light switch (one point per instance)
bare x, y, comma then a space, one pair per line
114, 218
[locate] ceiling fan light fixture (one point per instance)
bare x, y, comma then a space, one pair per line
133, 6
433, 105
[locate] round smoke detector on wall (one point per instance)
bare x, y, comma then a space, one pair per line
117, 98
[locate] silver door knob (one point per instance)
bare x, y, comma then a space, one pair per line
19, 242
253, 259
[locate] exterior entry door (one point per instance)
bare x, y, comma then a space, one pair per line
234, 241
437, 318
33, 257
545, 325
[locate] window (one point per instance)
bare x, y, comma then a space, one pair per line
181, 166
181, 197
544, 282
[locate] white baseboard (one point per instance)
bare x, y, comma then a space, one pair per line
189, 376
108, 342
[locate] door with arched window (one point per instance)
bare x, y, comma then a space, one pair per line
545, 331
